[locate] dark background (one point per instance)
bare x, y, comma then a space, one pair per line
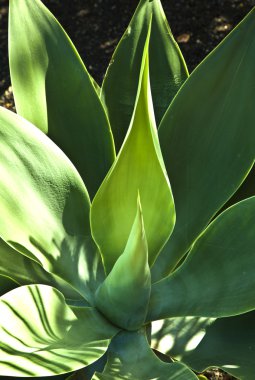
95, 26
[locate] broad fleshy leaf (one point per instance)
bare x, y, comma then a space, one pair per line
25, 271
124, 295
54, 91
204, 285
87, 372
44, 204
130, 357
41, 336
208, 139
138, 167
177, 336
58, 377
167, 68
229, 343
7, 284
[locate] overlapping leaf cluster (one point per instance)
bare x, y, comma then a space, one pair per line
107, 202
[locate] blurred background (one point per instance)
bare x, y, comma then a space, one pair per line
95, 26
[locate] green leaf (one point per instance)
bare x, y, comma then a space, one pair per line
174, 336
24, 271
129, 279
7, 284
130, 357
217, 278
59, 377
167, 68
208, 139
87, 372
46, 204
229, 343
138, 167
46, 337
54, 91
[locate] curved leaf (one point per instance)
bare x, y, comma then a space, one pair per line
174, 336
130, 357
167, 68
87, 372
138, 167
46, 337
54, 91
208, 139
129, 279
229, 343
7, 284
45, 203
25, 271
217, 278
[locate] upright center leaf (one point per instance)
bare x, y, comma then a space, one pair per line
139, 167
129, 279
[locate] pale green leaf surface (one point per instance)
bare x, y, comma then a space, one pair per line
130, 357
208, 139
25, 271
167, 68
229, 343
124, 295
46, 337
217, 278
138, 167
45, 203
54, 91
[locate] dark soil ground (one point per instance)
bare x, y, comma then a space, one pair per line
95, 26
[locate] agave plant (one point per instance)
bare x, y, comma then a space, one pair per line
95, 242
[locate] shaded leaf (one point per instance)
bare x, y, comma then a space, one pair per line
204, 285
7, 284
87, 372
54, 91
229, 343
25, 271
167, 68
124, 295
208, 139
130, 357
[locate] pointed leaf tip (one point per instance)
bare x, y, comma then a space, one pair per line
139, 165
124, 295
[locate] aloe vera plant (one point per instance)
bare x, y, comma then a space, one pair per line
108, 204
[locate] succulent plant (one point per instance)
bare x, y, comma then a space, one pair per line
111, 204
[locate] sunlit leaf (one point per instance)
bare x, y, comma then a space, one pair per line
46, 337
167, 68
204, 285
138, 167
54, 91
175, 336
208, 139
45, 203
